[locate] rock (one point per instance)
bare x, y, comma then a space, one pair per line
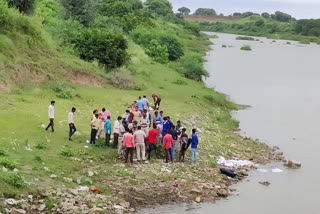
293, 164
11, 201
126, 205
30, 197
196, 191
74, 192
16, 170
198, 199
265, 183
4, 169
17, 211
53, 176
183, 181
90, 173
46, 168
41, 207
223, 193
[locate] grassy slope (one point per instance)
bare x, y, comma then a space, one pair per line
22, 111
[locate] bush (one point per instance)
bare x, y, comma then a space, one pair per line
245, 38
3, 152
10, 164
157, 52
61, 90
180, 82
16, 180
193, 28
121, 80
175, 48
67, 153
246, 48
24, 6
216, 99
41, 146
193, 66
159, 7
108, 48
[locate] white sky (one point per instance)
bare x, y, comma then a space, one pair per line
297, 8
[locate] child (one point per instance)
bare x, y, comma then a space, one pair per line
194, 145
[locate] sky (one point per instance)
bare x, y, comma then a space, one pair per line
300, 9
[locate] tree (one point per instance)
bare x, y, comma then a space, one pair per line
109, 49
205, 12
265, 15
175, 48
184, 10
119, 8
282, 17
24, 6
160, 7
237, 14
247, 14
83, 11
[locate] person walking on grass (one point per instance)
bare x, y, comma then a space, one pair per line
140, 104
116, 132
160, 135
145, 102
51, 116
194, 145
139, 137
183, 144
152, 138
167, 145
107, 128
94, 129
129, 146
72, 127
175, 146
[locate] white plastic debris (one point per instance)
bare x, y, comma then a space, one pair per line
43, 126
86, 147
90, 173
234, 162
277, 170
87, 141
16, 170
4, 169
11, 201
46, 168
83, 188
53, 176
28, 148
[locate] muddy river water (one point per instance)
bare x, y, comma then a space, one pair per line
281, 83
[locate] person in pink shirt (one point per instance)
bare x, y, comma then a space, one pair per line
129, 146
167, 145
104, 114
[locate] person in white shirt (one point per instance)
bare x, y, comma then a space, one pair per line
51, 116
71, 122
145, 103
126, 116
139, 137
116, 132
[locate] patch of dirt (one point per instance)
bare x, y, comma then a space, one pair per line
85, 79
213, 18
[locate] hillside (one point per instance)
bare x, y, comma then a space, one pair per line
39, 63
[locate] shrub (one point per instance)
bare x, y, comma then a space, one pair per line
193, 66
160, 7
38, 158
175, 48
67, 153
245, 38
61, 90
10, 164
121, 80
223, 46
24, 6
157, 52
16, 180
180, 82
108, 48
216, 98
3, 152
246, 48
193, 28
41, 146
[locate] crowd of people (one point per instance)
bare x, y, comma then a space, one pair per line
142, 128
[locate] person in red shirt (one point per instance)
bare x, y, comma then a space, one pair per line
152, 138
167, 145
129, 146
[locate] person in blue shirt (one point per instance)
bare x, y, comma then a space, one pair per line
194, 145
107, 128
166, 125
140, 104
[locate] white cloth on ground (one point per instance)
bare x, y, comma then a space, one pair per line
234, 162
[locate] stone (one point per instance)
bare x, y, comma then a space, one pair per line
17, 211
125, 204
198, 199
90, 173
74, 192
53, 176
223, 193
41, 207
4, 169
293, 164
196, 191
265, 183
30, 197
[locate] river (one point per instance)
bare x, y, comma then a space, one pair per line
280, 82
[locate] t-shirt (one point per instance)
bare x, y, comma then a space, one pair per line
159, 128
194, 141
70, 118
139, 136
145, 103
167, 141
153, 136
128, 141
140, 104
51, 111
116, 127
184, 140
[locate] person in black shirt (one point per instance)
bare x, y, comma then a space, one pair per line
183, 144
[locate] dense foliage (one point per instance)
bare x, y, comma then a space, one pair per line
308, 27
205, 12
184, 10
159, 7
24, 6
107, 48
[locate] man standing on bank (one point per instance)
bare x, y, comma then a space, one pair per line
51, 116
71, 122
157, 101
